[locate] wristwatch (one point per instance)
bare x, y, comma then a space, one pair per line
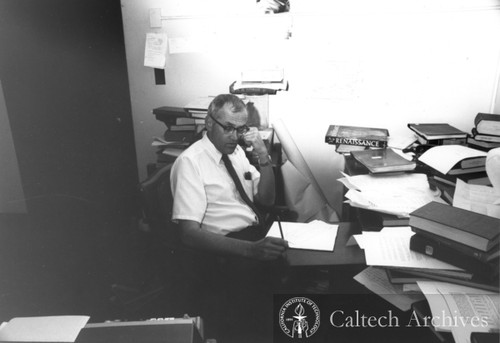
266, 163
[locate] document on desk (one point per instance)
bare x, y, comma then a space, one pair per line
444, 157
376, 280
398, 194
316, 235
391, 248
43, 329
470, 309
477, 198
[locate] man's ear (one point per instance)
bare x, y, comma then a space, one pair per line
209, 123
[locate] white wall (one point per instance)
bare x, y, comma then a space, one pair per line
347, 63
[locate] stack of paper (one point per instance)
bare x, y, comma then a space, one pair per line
316, 235
391, 248
396, 194
461, 310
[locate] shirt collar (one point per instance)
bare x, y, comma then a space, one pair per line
215, 154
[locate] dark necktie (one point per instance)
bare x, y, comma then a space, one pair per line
239, 187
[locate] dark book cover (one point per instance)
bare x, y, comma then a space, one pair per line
483, 256
477, 178
485, 337
474, 282
432, 131
467, 227
383, 161
169, 111
448, 254
487, 123
357, 135
423, 311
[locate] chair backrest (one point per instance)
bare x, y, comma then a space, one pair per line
156, 203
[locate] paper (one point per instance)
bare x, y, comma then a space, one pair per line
477, 198
398, 194
156, 50
302, 192
376, 280
444, 157
316, 235
43, 329
392, 249
468, 309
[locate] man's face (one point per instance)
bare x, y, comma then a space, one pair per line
226, 142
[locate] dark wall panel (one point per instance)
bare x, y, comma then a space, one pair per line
63, 68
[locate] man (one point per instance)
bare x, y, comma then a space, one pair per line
233, 266
207, 204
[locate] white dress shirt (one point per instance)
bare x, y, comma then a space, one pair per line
204, 191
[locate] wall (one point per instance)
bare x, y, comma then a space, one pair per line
64, 77
347, 63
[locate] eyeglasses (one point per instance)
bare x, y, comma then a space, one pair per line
241, 130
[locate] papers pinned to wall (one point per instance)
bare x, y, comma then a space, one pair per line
156, 50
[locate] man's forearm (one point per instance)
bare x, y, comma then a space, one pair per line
194, 237
267, 190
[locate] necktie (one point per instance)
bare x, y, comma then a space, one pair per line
239, 187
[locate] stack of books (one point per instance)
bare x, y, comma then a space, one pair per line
356, 138
438, 134
462, 238
467, 164
486, 132
182, 131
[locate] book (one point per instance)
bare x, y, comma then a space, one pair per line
189, 121
481, 144
483, 256
383, 161
182, 127
396, 276
475, 282
457, 170
435, 131
447, 189
448, 254
448, 141
373, 220
473, 162
179, 136
486, 138
487, 123
357, 135
454, 274
478, 178
485, 337
347, 149
470, 228
423, 311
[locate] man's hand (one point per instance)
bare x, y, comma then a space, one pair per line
253, 138
268, 248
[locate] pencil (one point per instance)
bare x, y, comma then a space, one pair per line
281, 229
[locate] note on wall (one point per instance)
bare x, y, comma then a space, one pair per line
156, 50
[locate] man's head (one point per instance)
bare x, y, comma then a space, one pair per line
226, 122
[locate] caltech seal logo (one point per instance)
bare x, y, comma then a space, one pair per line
299, 317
